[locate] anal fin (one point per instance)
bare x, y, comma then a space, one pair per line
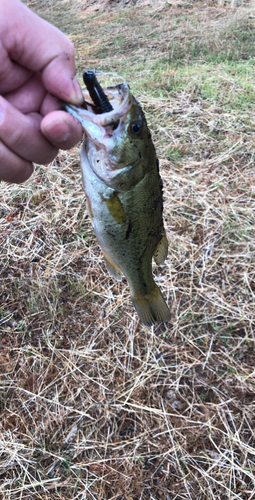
160, 254
114, 270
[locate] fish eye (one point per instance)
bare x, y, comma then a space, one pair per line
136, 127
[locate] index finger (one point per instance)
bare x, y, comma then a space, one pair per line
40, 47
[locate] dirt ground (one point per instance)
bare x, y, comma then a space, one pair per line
93, 404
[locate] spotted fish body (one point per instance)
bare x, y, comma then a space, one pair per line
124, 197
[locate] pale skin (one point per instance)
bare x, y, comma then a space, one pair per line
37, 69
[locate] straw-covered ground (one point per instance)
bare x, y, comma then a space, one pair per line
93, 404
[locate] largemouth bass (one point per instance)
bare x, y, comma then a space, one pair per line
124, 192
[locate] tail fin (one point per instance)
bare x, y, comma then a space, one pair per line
151, 308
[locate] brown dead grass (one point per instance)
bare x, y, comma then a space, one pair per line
93, 404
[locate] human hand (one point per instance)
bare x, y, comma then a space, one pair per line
37, 62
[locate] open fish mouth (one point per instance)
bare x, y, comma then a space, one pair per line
103, 113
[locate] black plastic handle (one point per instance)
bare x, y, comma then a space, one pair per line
96, 92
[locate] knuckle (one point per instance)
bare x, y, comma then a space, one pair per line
18, 138
24, 173
2, 156
13, 168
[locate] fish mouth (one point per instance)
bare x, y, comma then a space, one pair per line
103, 109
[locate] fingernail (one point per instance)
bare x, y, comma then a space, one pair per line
57, 131
77, 95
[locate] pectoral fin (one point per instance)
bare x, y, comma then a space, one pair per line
112, 268
160, 254
115, 207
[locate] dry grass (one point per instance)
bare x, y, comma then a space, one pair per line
94, 405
